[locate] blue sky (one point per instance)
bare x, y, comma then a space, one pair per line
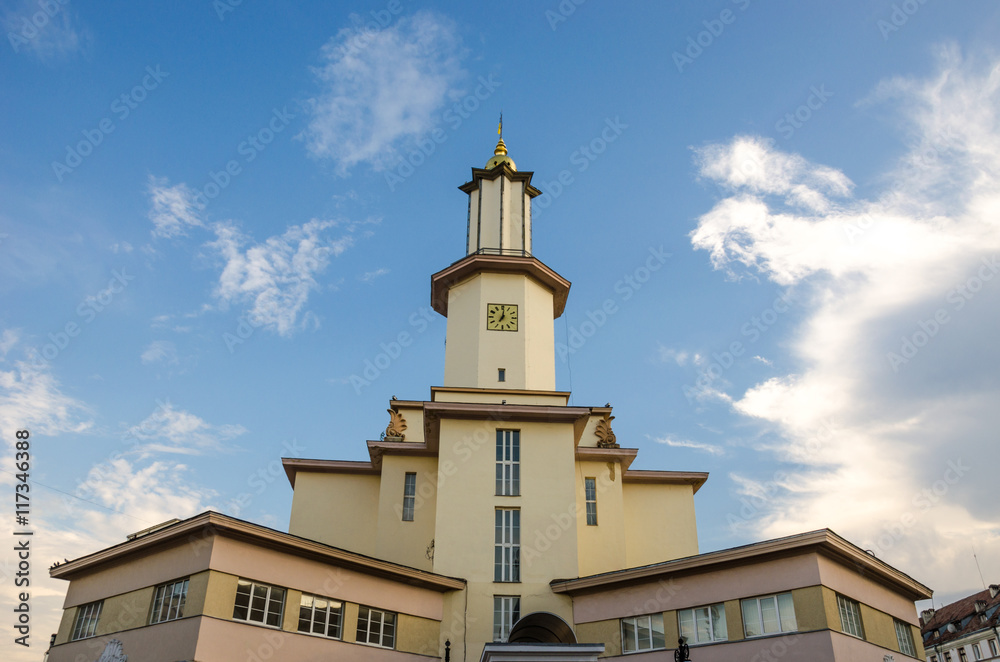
213, 215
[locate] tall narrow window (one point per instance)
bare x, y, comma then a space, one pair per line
409, 495
506, 611
993, 646
501, 375
590, 488
507, 546
168, 601
962, 655
508, 463
850, 617
977, 652
905, 638
86, 620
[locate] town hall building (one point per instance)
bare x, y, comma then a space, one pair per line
493, 521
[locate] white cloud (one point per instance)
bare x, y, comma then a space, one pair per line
882, 273
169, 430
174, 208
381, 91
160, 350
30, 398
686, 443
47, 30
678, 356
369, 276
276, 276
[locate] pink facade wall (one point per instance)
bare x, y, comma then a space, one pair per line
854, 583
693, 590
265, 565
166, 642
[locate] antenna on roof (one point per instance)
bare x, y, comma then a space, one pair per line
977, 566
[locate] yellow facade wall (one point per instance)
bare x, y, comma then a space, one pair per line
609, 632
350, 631
601, 547
417, 635
220, 595
734, 620
408, 543
125, 611
878, 628
66, 625
811, 608
659, 523
338, 510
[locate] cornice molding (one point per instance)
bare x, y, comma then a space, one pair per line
470, 265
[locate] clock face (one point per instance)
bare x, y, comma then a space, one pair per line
501, 317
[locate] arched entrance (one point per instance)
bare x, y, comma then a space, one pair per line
541, 627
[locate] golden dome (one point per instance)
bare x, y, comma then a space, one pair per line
500, 156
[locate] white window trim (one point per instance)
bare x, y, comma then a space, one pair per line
507, 467
87, 617
509, 613
588, 501
509, 545
850, 617
904, 633
409, 496
158, 598
329, 611
782, 627
267, 604
381, 621
711, 623
649, 619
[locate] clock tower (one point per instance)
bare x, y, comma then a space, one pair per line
499, 299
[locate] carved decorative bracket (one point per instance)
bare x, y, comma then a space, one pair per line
605, 435
397, 426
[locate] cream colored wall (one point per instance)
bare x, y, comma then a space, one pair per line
336, 509
601, 547
490, 222
497, 396
66, 624
473, 230
396, 540
659, 523
465, 522
474, 353
414, 417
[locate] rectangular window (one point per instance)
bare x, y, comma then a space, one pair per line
977, 652
768, 615
507, 546
904, 635
590, 488
643, 633
508, 462
168, 601
947, 656
321, 616
501, 375
86, 620
850, 617
506, 611
993, 647
962, 655
376, 627
259, 603
409, 495
703, 625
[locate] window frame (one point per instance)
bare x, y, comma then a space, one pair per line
852, 610
590, 500
269, 599
329, 611
693, 637
507, 545
977, 652
651, 620
758, 601
992, 644
962, 655
506, 612
87, 617
381, 632
904, 628
409, 495
160, 592
508, 463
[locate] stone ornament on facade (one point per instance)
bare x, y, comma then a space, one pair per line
397, 426
605, 436
113, 652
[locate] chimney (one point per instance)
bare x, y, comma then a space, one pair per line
926, 616
980, 606
994, 589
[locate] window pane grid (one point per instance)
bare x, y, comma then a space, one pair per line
320, 616
850, 617
643, 633
590, 495
259, 603
768, 615
376, 627
508, 457
86, 620
703, 624
905, 638
409, 496
507, 546
506, 612
168, 602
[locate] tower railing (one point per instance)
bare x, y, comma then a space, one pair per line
517, 252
